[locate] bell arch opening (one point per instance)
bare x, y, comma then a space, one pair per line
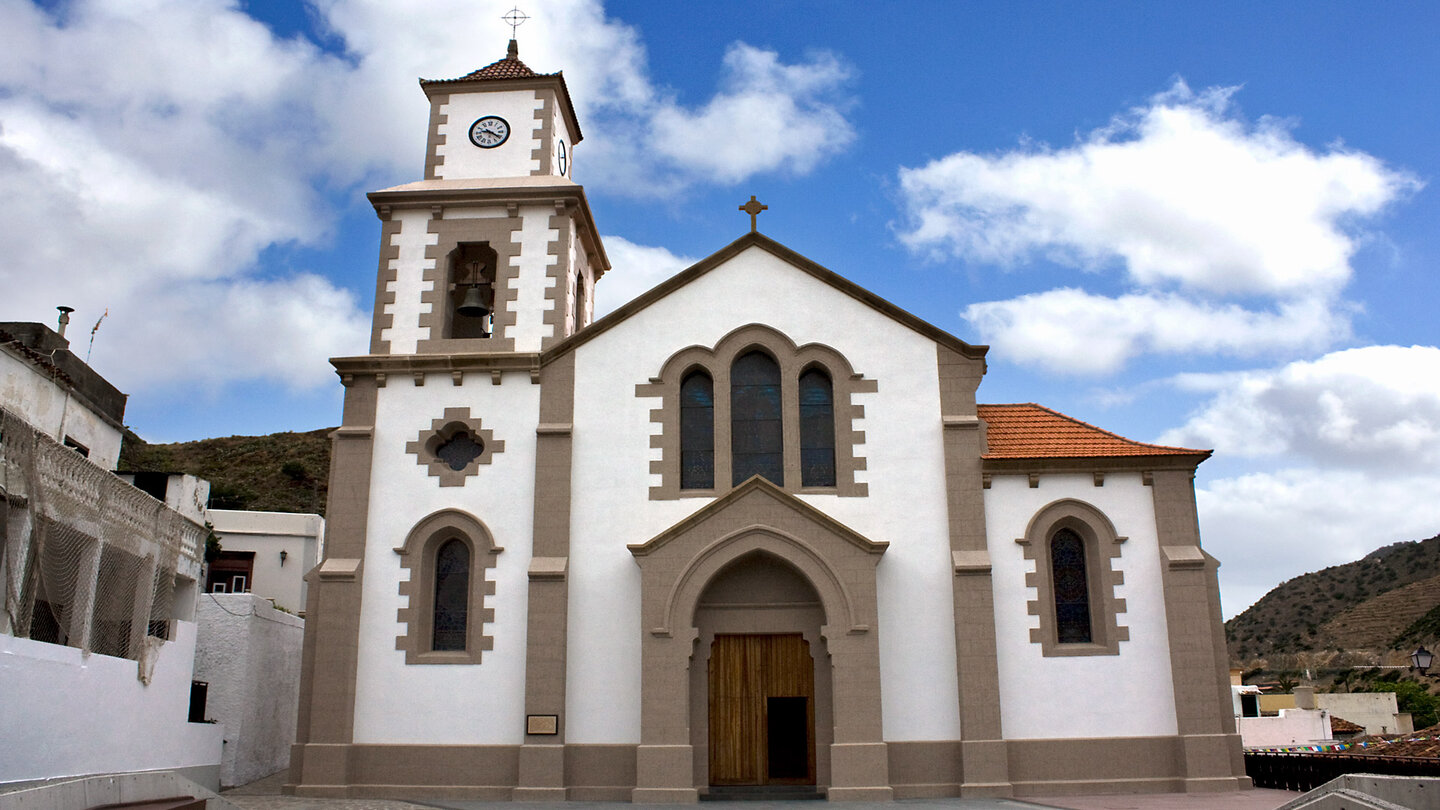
760, 678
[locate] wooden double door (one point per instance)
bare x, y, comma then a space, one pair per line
762, 710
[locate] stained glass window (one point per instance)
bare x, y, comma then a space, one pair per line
697, 431
756, 434
452, 595
817, 430
1072, 589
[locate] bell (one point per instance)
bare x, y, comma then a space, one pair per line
473, 306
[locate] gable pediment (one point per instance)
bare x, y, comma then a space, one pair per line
756, 503
789, 259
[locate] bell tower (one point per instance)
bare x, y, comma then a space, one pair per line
495, 250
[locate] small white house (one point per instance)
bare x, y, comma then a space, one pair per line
267, 554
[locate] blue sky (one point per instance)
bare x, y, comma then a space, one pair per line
1204, 224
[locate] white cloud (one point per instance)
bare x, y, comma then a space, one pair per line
1180, 192
1193, 205
1268, 527
1071, 331
1375, 408
769, 116
150, 152
634, 269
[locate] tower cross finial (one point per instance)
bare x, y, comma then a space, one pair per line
513, 18
753, 208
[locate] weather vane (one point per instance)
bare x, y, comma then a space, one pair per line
513, 18
753, 208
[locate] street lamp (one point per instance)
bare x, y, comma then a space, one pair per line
1421, 659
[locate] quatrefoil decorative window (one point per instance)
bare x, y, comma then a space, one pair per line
454, 447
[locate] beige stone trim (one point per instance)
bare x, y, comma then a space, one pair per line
417, 561
544, 132
417, 366
794, 361
930, 769
453, 422
325, 723
500, 234
542, 764
676, 568
512, 192
554, 83
1102, 545
557, 275
958, 375
433, 158
1199, 663
384, 277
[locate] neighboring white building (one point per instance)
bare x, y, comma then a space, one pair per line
267, 554
249, 655
1378, 712
97, 636
752, 528
1289, 728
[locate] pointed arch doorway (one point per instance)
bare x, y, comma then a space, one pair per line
760, 679
702, 578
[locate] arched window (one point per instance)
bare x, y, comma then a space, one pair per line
697, 431
452, 595
817, 430
1072, 588
757, 438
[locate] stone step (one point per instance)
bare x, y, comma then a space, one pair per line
760, 793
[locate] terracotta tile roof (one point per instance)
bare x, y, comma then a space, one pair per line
1027, 430
1339, 725
508, 68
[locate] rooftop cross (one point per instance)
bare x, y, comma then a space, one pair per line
753, 208
513, 18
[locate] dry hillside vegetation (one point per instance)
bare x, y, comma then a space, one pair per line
281, 472
1366, 605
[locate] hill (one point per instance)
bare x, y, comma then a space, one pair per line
1368, 605
281, 472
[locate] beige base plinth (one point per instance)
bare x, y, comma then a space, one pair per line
859, 772
542, 774
664, 773
986, 766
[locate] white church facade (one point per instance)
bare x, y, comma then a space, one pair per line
688, 548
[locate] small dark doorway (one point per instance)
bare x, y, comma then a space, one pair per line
231, 572
762, 714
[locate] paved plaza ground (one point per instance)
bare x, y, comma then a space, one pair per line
265, 795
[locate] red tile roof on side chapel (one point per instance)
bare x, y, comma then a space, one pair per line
1027, 430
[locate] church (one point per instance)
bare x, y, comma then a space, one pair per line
686, 551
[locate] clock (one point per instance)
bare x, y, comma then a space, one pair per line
563, 161
489, 132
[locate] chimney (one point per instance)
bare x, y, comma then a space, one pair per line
64, 318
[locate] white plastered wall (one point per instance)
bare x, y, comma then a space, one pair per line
37, 399
906, 505
405, 333
531, 282
447, 704
66, 713
513, 158
1130, 694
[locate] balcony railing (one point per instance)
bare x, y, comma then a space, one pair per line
87, 560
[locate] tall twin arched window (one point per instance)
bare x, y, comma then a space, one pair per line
757, 425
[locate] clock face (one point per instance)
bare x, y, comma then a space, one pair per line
489, 132
564, 160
